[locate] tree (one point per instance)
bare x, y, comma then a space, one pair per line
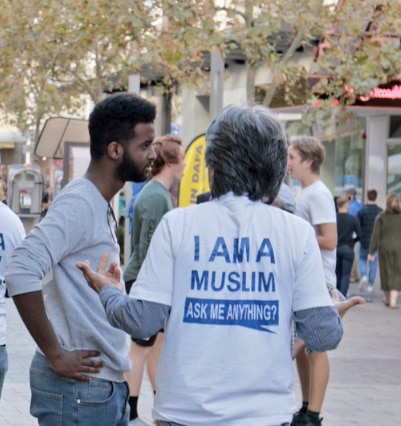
57, 54
54, 55
353, 47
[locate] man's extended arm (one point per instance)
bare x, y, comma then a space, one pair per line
320, 328
140, 319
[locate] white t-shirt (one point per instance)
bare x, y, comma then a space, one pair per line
12, 232
233, 271
315, 203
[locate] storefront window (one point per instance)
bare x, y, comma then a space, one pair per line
395, 127
394, 169
348, 160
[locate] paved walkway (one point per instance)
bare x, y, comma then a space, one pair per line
365, 382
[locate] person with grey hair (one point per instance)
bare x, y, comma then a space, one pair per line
226, 278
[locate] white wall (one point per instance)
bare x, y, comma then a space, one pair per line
195, 115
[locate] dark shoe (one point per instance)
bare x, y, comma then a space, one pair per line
309, 422
299, 419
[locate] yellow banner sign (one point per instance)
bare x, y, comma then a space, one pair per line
195, 180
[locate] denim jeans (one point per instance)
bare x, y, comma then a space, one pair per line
61, 401
364, 265
3, 366
345, 258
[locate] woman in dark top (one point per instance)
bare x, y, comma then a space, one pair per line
348, 233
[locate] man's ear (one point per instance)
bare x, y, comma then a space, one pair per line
115, 150
309, 162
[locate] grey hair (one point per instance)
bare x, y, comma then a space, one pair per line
247, 152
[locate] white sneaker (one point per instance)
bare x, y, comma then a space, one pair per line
363, 282
369, 288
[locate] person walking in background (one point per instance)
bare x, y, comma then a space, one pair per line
354, 204
386, 239
77, 374
12, 232
46, 200
348, 232
129, 210
229, 275
354, 207
152, 203
367, 216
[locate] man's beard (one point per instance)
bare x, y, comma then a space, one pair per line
128, 170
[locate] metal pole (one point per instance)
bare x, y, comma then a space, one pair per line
216, 83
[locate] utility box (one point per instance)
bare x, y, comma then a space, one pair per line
25, 191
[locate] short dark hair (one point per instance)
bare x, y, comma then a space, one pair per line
341, 201
167, 149
114, 119
371, 194
247, 151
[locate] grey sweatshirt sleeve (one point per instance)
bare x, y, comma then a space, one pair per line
141, 319
320, 328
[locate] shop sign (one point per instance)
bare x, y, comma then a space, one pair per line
386, 95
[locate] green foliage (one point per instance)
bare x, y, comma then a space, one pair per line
54, 55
